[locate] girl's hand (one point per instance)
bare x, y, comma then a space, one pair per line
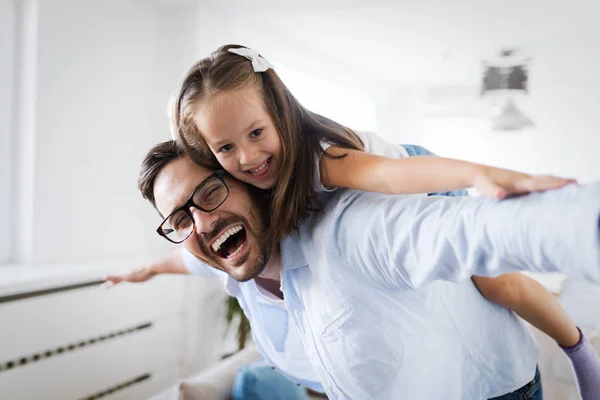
499, 183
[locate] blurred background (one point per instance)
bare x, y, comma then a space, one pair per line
84, 88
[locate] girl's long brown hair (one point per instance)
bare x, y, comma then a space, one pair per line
301, 131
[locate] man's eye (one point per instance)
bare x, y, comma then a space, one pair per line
256, 133
225, 149
210, 195
182, 222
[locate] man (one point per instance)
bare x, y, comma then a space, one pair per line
364, 280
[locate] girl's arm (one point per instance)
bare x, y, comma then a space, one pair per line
424, 174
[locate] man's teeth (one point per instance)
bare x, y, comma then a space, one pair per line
217, 244
261, 169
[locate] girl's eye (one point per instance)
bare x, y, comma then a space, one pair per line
225, 149
256, 133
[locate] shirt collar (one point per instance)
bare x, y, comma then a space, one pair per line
232, 287
292, 256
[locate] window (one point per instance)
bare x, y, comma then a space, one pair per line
349, 108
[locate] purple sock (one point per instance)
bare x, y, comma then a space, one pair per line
586, 364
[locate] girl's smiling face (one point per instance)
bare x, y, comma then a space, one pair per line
241, 135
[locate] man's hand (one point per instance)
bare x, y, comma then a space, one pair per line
136, 276
499, 183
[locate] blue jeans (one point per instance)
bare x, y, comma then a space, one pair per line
259, 381
533, 390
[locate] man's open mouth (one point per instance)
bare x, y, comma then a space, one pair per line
230, 242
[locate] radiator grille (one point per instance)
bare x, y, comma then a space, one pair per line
119, 387
42, 355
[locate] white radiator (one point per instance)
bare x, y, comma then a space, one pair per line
79, 341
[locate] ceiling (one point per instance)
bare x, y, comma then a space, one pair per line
429, 41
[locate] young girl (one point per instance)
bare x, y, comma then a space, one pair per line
233, 106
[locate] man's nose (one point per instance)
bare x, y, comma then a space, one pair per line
204, 221
248, 155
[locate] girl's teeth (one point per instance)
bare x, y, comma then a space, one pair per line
260, 169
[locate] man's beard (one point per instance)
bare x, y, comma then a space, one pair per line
255, 233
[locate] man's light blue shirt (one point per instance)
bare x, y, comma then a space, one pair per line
368, 283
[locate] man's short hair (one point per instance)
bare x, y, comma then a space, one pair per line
156, 159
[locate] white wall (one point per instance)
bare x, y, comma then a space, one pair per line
100, 83
564, 86
217, 27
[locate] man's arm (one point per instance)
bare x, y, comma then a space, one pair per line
178, 261
407, 242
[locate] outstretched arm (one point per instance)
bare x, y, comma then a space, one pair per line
178, 261
359, 170
407, 242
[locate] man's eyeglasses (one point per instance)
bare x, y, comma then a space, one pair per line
208, 196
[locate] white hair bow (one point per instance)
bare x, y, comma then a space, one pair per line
258, 62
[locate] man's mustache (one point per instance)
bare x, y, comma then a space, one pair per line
220, 225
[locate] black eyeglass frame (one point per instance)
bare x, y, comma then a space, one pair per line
190, 203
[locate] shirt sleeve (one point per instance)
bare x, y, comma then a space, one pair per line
319, 187
374, 144
403, 242
197, 267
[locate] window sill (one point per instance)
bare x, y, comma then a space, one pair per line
18, 279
